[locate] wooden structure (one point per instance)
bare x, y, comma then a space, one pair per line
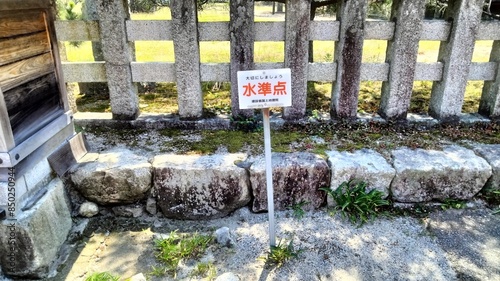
33, 105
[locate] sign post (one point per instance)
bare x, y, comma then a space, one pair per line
264, 89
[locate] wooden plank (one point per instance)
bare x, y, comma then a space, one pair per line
15, 23
9, 5
25, 123
25, 148
6, 136
19, 48
51, 18
68, 154
18, 73
31, 94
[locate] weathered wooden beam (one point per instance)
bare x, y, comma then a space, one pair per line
36, 141
242, 32
297, 54
187, 58
456, 54
15, 23
25, 123
19, 48
31, 94
6, 136
18, 73
402, 54
9, 5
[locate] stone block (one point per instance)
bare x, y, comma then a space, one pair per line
424, 175
364, 165
114, 176
38, 233
491, 152
297, 178
199, 187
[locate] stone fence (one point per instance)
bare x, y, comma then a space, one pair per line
213, 186
113, 28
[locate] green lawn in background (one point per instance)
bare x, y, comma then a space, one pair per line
323, 51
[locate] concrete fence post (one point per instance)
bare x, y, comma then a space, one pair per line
456, 54
490, 98
297, 54
187, 58
348, 56
118, 53
401, 55
241, 32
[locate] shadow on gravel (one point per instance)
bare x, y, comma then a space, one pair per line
461, 245
471, 239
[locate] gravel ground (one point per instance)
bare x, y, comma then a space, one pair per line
331, 248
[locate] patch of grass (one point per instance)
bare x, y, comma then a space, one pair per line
298, 211
232, 140
205, 270
281, 253
246, 124
355, 203
175, 248
102, 276
492, 197
452, 204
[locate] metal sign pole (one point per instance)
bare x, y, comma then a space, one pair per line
269, 176
264, 89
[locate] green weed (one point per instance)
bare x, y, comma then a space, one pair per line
492, 197
177, 247
298, 211
452, 204
281, 253
206, 270
102, 276
355, 203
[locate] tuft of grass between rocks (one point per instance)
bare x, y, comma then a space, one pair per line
355, 203
176, 247
102, 276
281, 253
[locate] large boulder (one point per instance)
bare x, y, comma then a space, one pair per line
491, 152
199, 187
297, 178
30, 244
424, 175
114, 176
362, 165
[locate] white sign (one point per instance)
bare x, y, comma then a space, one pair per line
265, 88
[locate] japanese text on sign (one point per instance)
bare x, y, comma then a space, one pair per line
264, 88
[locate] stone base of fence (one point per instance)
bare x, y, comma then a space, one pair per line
223, 122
